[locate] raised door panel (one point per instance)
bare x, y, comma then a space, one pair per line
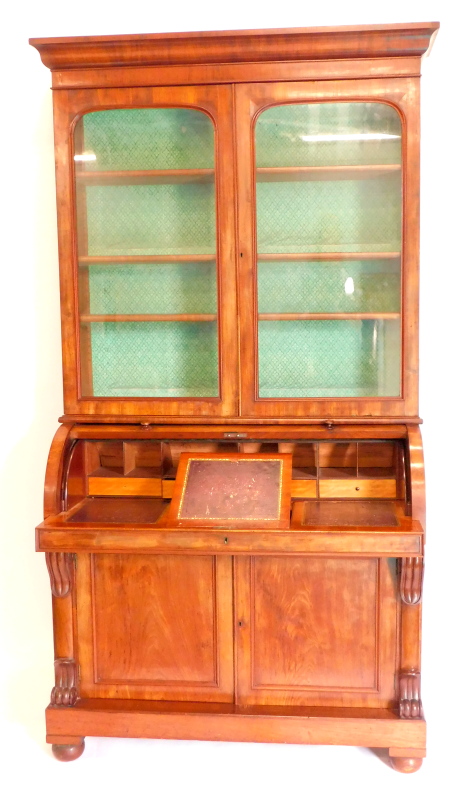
155, 627
328, 244
147, 251
316, 631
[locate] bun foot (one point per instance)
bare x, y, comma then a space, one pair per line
68, 752
405, 764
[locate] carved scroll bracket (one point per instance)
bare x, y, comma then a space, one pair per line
411, 580
60, 568
65, 683
410, 697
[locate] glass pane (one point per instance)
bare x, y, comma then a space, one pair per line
161, 219
167, 288
148, 138
154, 359
328, 134
328, 358
329, 200
329, 286
147, 253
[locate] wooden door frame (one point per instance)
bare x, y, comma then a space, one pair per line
216, 102
251, 100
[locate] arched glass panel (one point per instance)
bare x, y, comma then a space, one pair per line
146, 229
329, 217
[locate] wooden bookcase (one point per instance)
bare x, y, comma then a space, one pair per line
238, 237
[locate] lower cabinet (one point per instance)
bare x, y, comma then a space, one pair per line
263, 630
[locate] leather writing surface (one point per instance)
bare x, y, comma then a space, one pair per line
229, 489
118, 510
350, 512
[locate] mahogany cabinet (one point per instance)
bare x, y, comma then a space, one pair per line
238, 233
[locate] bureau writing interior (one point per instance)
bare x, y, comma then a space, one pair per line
238, 246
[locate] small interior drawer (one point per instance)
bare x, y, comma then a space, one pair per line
357, 488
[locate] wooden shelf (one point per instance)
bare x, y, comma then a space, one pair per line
86, 261
362, 315
158, 259
327, 256
144, 177
335, 173
123, 486
107, 472
87, 318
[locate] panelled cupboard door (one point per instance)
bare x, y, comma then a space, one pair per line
148, 262
155, 627
316, 631
328, 247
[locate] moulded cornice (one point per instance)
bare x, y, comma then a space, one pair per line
235, 47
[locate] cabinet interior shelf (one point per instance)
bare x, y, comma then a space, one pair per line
327, 256
145, 176
85, 261
327, 173
264, 174
303, 316
87, 318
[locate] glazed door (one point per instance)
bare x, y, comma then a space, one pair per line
155, 627
150, 261
328, 278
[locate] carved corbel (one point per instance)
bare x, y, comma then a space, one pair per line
65, 683
410, 697
411, 580
60, 568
